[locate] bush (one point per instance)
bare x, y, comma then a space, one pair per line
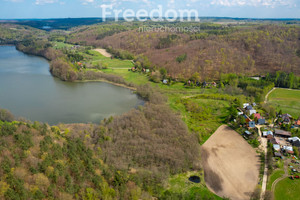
5, 115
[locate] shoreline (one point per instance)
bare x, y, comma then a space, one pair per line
105, 81
78, 81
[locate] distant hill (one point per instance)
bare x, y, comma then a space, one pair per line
247, 49
67, 23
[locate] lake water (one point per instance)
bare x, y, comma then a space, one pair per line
28, 90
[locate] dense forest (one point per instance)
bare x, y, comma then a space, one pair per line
250, 50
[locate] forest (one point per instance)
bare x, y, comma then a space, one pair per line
250, 50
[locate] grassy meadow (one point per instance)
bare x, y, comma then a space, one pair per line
179, 184
286, 100
275, 175
287, 189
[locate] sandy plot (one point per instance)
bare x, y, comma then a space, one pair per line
103, 52
230, 164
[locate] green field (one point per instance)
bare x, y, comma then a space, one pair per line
95, 57
202, 116
275, 175
286, 100
179, 187
287, 189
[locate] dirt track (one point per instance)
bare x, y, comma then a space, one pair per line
230, 164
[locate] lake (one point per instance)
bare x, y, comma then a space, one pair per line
28, 90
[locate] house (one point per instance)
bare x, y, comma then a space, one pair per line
266, 133
165, 81
297, 123
252, 124
286, 118
261, 121
245, 105
254, 104
282, 133
251, 112
276, 147
257, 116
288, 149
249, 107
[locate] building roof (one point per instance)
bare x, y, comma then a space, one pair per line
273, 141
293, 139
249, 108
245, 105
257, 116
265, 133
276, 147
288, 148
282, 132
277, 154
252, 124
248, 132
297, 122
261, 121
286, 115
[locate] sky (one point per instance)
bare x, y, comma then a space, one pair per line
25, 9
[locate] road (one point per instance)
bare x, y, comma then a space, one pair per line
281, 178
263, 147
267, 95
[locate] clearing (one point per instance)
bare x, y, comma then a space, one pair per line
103, 52
230, 164
287, 100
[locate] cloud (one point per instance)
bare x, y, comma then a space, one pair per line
85, 2
15, 1
267, 3
42, 2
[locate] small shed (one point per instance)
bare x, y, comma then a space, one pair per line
165, 81
277, 154
248, 133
